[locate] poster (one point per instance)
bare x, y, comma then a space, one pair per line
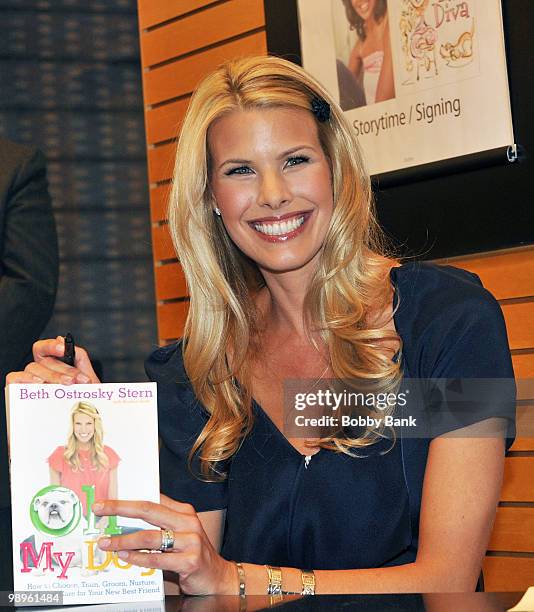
419, 80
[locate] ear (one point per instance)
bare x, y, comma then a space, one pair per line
36, 503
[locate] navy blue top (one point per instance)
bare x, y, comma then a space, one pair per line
338, 511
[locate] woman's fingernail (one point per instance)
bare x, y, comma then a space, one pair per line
66, 380
97, 506
104, 542
122, 554
82, 378
37, 379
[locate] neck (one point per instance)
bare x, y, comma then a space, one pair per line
283, 301
370, 24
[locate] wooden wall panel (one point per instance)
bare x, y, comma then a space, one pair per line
520, 324
213, 25
170, 281
158, 202
508, 573
162, 246
180, 77
171, 319
161, 162
513, 530
518, 480
524, 365
525, 428
163, 122
154, 12
509, 274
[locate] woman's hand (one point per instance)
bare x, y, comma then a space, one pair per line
201, 569
47, 366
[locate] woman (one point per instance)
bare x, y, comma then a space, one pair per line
271, 214
85, 460
371, 61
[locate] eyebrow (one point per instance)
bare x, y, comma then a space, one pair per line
281, 156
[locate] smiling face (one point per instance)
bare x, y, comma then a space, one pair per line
364, 8
84, 429
272, 183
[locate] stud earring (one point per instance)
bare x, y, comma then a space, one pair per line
217, 211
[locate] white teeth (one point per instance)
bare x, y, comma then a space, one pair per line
279, 228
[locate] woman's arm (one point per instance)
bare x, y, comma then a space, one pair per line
385, 89
113, 490
355, 62
213, 525
461, 488
55, 477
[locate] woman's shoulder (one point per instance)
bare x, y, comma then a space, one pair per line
166, 364
112, 456
438, 287
57, 456
444, 313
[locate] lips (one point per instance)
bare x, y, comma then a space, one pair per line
280, 229
362, 7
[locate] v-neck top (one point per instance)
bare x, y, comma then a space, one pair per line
333, 511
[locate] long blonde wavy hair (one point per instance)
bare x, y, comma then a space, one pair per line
351, 280
99, 458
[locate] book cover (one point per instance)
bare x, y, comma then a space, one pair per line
69, 446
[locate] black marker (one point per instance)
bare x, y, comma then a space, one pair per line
68, 355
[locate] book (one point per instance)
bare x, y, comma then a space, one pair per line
526, 603
70, 446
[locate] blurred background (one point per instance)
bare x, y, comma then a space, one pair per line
70, 83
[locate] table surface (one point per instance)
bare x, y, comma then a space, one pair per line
434, 602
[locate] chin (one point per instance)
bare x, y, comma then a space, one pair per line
281, 267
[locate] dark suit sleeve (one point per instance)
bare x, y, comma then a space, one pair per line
28, 260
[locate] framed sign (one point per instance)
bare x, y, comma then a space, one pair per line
421, 81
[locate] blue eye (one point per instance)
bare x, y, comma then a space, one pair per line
297, 160
239, 170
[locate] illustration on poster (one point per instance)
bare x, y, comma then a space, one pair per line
420, 24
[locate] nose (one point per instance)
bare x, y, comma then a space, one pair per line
274, 190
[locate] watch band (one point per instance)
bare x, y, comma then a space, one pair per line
275, 580
308, 582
